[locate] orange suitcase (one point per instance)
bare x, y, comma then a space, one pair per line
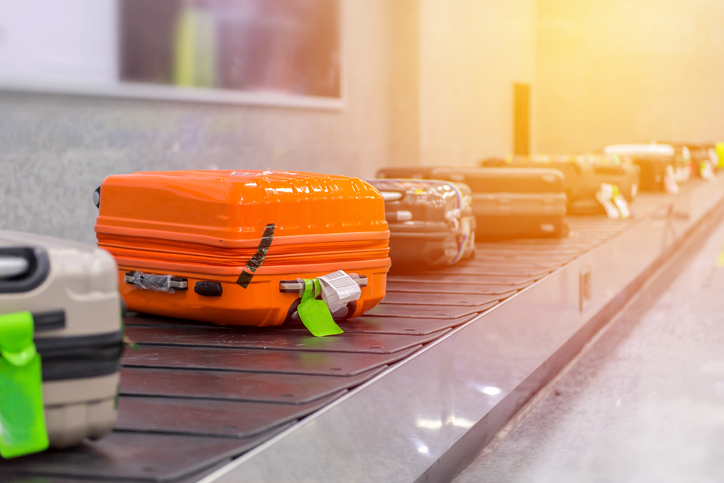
228, 246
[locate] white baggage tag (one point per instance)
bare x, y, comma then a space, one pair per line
670, 181
338, 289
604, 196
620, 203
706, 172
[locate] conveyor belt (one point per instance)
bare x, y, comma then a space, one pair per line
196, 396
644, 402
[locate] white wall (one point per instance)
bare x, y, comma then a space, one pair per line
472, 51
629, 71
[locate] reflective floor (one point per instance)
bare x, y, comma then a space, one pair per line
645, 402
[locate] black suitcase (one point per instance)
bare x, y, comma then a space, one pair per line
583, 176
507, 202
431, 222
657, 162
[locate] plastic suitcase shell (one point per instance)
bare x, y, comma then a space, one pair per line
228, 239
72, 292
431, 222
507, 202
583, 176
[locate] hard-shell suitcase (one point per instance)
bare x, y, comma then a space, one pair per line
431, 222
510, 202
507, 202
654, 161
228, 246
583, 176
71, 293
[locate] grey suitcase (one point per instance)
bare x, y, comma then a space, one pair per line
507, 202
583, 176
72, 294
431, 222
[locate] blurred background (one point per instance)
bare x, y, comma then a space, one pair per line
90, 88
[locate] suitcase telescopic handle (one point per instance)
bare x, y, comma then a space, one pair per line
12, 266
22, 269
292, 286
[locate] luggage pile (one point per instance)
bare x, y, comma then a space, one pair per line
703, 158
261, 248
661, 166
506, 202
583, 176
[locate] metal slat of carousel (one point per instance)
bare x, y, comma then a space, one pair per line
406, 393
642, 401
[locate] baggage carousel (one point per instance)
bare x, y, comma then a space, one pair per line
410, 392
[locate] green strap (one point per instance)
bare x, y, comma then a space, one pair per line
314, 312
22, 419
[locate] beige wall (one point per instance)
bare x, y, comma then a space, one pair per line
404, 82
628, 71
472, 53
454, 65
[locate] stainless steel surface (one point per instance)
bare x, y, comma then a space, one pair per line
398, 426
12, 266
645, 403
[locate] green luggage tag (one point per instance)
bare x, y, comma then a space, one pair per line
314, 312
620, 202
605, 196
22, 419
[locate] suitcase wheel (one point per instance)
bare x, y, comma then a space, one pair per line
342, 314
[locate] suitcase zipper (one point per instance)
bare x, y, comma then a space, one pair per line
75, 357
166, 251
80, 357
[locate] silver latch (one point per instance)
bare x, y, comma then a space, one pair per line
292, 286
176, 283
